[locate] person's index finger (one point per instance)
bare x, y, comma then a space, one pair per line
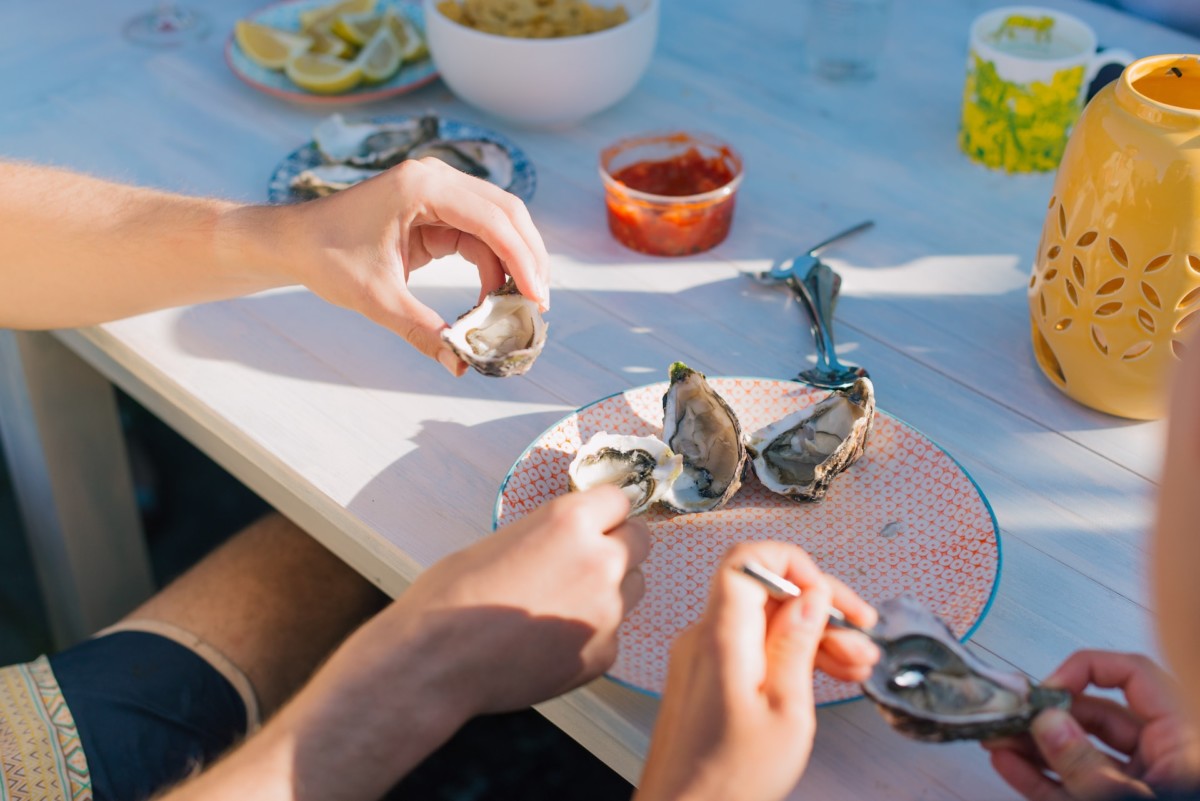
501, 221
856, 610
1147, 687
635, 536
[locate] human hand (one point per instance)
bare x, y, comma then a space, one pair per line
737, 719
360, 245
529, 612
1158, 748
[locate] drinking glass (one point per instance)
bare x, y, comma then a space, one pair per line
168, 24
844, 37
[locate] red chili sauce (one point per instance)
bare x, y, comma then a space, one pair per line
689, 173
673, 228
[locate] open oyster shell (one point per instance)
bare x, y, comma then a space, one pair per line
372, 144
325, 179
801, 454
699, 425
643, 467
502, 336
929, 687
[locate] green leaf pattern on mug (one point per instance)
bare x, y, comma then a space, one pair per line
1018, 127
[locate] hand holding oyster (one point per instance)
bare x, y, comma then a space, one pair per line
928, 686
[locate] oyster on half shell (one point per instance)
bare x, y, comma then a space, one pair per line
699, 425
643, 467
801, 454
377, 145
929, 687
502, 336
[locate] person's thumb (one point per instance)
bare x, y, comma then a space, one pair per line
793, 636
1083, 769
422, 327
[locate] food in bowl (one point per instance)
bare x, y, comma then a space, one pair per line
544, 82
670, 194
533, 19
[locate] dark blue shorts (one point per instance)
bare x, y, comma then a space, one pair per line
149, 710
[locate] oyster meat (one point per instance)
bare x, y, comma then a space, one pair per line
801, 454
699, 425
643, 467
354, 151
502, 336
372, 144
481, 158
929, 687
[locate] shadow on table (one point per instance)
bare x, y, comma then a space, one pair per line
605, 341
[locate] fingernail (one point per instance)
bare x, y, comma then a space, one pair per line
1056, 729
449, 361
543, 291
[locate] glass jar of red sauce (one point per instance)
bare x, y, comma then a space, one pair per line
670, 194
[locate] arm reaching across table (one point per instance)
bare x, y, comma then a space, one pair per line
81, 251
526, 614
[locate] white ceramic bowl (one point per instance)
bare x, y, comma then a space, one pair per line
544, 82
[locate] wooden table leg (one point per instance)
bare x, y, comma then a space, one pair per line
66, 455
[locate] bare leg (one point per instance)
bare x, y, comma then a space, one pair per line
273, 600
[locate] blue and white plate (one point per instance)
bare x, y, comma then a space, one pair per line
524, 178
286, 16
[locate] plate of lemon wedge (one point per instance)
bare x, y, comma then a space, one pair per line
351, 51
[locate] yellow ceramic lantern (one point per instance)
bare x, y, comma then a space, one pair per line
1116, 280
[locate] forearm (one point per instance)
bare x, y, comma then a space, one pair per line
79, 250
353, 731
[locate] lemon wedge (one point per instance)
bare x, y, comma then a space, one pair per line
266, 46
412, 42
381, 56
327, 13
357, 29
325, 75
326, 42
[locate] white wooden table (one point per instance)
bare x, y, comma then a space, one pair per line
392, 464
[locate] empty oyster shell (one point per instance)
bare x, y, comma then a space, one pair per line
643, 467
699, 425
325, 179
801, 454
371, 144
929, 687
502, 336
478, 157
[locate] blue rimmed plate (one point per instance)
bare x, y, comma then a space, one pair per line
524, 177
286, 16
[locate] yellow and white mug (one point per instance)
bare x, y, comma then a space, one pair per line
1027, 72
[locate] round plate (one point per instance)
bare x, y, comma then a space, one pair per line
524, 180
905, 519
286, 16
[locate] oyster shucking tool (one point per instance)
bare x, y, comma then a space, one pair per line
927, 685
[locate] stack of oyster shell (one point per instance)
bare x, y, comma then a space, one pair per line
355, 151
699, 462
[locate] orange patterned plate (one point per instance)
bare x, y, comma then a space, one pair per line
904, 519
